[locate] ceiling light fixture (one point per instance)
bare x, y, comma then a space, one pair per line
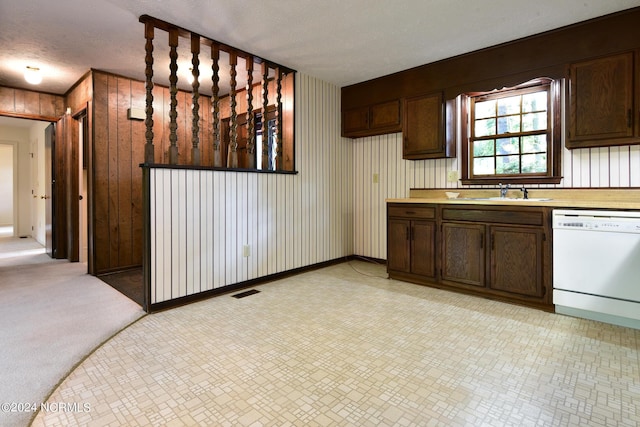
32, 75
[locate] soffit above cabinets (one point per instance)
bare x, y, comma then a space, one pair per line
341, 42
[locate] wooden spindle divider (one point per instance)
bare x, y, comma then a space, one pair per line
173, 91
220, 149
251, 138
215, 101
232, 162
148, 73
278, 119
266, 161
195, 98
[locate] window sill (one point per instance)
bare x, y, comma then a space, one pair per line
512, 180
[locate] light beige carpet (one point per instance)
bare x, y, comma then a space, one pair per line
52, 315
16, 251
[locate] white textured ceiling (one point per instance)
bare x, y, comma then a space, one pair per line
339, 41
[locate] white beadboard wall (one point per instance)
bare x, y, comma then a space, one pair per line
201, 219
382, 155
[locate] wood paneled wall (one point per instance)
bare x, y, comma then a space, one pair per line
31, 105
118, 150
81, 93
202, 219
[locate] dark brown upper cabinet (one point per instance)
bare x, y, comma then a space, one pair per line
549, 54
603, 102
424, 132
372, 120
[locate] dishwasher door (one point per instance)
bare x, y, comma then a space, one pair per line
596, 264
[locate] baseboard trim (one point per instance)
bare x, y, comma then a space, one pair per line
165, 305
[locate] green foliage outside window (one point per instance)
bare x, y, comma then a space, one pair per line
510, 132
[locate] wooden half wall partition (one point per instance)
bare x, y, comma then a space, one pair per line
118, 144
203, 238
238, 121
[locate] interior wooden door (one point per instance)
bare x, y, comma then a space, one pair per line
49, 185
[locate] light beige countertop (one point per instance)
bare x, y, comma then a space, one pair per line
557, 198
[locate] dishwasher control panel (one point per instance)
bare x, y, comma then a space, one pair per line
607, 221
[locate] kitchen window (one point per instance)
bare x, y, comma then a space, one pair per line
512, 135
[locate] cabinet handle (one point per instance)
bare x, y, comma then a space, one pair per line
481, 241
629, 117
408, 233
493, 242
410, 213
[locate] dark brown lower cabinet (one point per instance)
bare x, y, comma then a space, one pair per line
412, 249
493, 251
463, 253
517, 260
411, 241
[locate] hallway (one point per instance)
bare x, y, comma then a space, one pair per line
52, 315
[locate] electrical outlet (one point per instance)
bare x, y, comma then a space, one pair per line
246, 251
376, 178
452, 176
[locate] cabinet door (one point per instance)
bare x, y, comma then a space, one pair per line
385, 115
463, 253
423, 127
398, 245
516, 260
375, 119
423, 248
602, 102
354, 121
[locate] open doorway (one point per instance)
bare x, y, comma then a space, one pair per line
44, 187
8, 165
21, 210
83, 185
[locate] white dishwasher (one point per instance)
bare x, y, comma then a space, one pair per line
596, 265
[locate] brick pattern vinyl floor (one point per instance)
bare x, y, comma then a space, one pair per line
344, 346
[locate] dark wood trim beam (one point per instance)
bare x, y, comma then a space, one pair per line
542, 55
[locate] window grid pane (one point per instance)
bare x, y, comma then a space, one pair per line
520, 124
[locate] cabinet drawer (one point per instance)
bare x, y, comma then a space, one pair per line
520, 217
412, 211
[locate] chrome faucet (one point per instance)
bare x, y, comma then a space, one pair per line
503, 190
